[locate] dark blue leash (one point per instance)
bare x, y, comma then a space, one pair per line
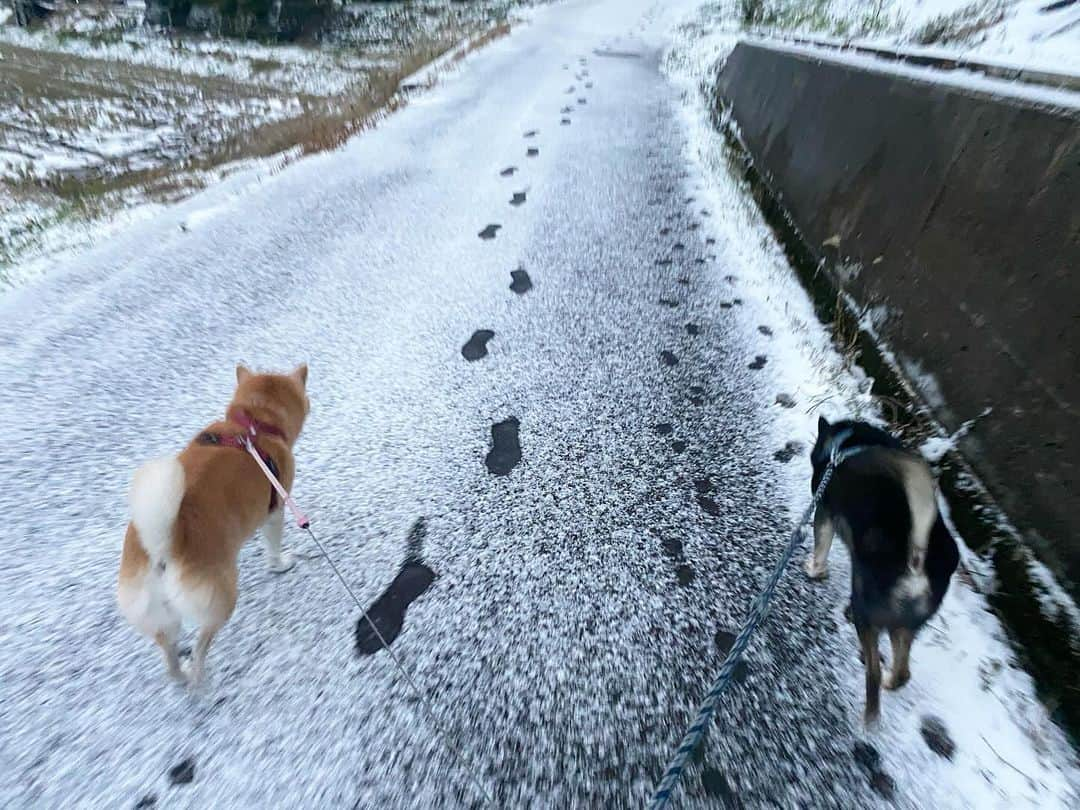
758, 611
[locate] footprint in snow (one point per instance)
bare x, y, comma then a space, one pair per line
765, 331
387, 614
505, 450
663, 429
678, 445
565, 122
518, 198
477, 345
725, 640
508, 171
530, 134
521, 283
182, 773
759, 362
532, 152
668, 358
788, 452
693, 329
669, 302
489, 232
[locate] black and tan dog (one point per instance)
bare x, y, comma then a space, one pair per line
881, 501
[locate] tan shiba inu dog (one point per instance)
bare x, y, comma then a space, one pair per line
190, 514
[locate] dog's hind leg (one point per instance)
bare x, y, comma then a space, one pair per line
817, 564
273, 530
167, 641
868, 638
198, 656
901, 639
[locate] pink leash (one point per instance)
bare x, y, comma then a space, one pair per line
300, 518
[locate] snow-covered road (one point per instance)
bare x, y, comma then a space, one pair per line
581, 601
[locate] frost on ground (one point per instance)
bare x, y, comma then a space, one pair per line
99, 113
1038, 34
659, 376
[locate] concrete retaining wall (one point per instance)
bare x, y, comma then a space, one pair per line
962, 213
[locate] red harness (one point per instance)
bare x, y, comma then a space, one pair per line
253, 428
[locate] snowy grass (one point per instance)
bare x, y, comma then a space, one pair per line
1035, 34
101, 115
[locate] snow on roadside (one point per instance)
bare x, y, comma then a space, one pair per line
1009, 752
1029, 34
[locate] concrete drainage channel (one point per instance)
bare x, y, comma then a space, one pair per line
1047, 640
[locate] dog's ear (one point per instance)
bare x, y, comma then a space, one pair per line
822, 426
300, 374
242, 373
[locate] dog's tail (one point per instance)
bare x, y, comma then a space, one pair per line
918, 484
156, 492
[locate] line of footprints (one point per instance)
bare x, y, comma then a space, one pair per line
505, 452
387, 613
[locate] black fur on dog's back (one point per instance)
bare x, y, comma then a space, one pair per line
868, 494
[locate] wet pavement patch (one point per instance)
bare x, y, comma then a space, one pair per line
489, 232
759, 362
785, 400
716, 786
388, 611
708, 505
183, 773
937, 736
788, 452
693, 329
883, 785
477, 345
505, 450
508, 171
663, 429
521, 282
668, 358
868, 758
518, 198
672, 547
725, 640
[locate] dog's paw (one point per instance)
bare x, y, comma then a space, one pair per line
894, 681
812, 570
281, 563
872, 718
